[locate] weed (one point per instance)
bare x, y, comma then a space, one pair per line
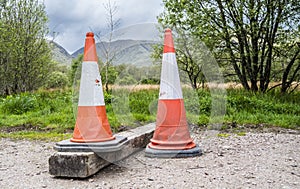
224, 135
241, 134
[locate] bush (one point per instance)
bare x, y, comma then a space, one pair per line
56, 80
19, 104
127, 80
150, 81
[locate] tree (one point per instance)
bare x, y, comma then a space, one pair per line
245, 32
25, 55
113, 23
288, 61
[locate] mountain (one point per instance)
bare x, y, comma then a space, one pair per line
134, 52
59, 54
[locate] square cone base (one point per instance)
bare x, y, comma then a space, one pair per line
157, 153
103, 147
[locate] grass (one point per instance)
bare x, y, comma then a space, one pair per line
49, 114
258, 108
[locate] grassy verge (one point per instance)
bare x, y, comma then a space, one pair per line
49, 114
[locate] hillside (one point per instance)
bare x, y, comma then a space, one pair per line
135, 52
59, 54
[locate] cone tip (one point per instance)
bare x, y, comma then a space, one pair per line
168, 30
168, 41
89, 34
90, 53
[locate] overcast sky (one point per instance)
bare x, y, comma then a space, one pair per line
71, 19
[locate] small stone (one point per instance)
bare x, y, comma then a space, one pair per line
44, 186
220, 154
150, 179
91, 180
227, 147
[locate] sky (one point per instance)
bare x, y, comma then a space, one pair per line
70, 20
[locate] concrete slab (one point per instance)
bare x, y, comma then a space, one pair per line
85, 164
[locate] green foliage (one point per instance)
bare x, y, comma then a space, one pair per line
254, 41
75, 71
224, 135
42, 109
56, 80
259, 108
19, 104
140, 101
34, 135
50, 113
24, 53
127, 80
150, 81
112, 74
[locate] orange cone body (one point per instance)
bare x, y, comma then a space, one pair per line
171, 125
91, 122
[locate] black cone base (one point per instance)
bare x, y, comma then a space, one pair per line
157, 153
102, 147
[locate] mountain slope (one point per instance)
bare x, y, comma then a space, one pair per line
135, 52
59, 54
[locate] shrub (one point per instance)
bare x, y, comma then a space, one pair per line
56, 80
19, 104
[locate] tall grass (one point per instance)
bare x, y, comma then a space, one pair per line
52, 111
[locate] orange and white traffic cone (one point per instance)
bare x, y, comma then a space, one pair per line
171, 137
92, 131
91, 123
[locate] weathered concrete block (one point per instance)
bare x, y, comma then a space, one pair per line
85, 164
75, 164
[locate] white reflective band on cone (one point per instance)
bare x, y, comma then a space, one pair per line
91, 92
170, 87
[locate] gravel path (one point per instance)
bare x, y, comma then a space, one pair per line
256, 160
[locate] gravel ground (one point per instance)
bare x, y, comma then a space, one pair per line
256, 160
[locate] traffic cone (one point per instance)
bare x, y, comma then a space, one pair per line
171, 137
92, 131
91, 123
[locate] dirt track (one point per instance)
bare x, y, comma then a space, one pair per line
256, 160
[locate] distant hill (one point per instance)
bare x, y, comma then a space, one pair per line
135, 52
59, 54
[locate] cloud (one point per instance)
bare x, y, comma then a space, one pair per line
73, 18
